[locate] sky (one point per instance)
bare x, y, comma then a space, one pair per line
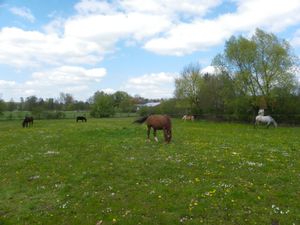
137, 46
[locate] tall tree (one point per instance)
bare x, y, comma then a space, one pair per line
258, 65
30, 103
67, 99
188, 86
102, 105
11, 105
2, 106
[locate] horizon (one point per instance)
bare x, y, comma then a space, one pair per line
83, 46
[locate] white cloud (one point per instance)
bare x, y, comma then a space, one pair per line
23, 12
21, 48
108, 90
68, 75
209, 70
108, 29
169, 27
69, 79
155, 85
166, 27
173, 8
6, 84
55, 26
200, 34
187, 38
85, 7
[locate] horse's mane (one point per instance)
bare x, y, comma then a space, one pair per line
141, 120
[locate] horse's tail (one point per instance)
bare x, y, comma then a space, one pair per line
141, 120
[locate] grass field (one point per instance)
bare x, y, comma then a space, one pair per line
104, 172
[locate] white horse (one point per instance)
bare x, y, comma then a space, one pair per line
187, 117
265, 119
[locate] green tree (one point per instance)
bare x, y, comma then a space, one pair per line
31, 103
258, 65
68, 100
188, 86
2, 106
123, 101
11, 105
102, 105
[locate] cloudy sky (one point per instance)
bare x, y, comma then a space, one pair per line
137, 46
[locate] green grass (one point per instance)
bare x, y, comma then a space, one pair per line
104, 172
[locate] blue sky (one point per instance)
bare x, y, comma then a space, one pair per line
81, 46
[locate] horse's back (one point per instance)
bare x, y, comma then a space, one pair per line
159, 121
82, 118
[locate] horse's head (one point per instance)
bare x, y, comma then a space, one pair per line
261, 112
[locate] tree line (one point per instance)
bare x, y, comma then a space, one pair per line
250, 74
100, 104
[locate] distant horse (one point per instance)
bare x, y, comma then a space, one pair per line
265, 119
82, 118
188, 117
157, 122
28, 120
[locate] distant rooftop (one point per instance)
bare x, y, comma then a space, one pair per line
151, 104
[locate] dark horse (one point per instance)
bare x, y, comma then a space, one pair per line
157, 122
82, 118
28, 120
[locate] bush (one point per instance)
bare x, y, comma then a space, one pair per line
53, 115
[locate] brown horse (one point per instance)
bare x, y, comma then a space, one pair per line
157, 122
28, 120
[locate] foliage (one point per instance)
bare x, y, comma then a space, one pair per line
253, 73
103, 105
104, 172
53, 115
188, 86
172, 107
123, 102
259, 65
67, 100
2, 106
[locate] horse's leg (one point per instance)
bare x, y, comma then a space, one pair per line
154, 133
166, 134
148, 133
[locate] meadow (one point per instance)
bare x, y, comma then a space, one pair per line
104, 172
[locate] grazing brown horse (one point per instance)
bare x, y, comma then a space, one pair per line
157, 122
28, 120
